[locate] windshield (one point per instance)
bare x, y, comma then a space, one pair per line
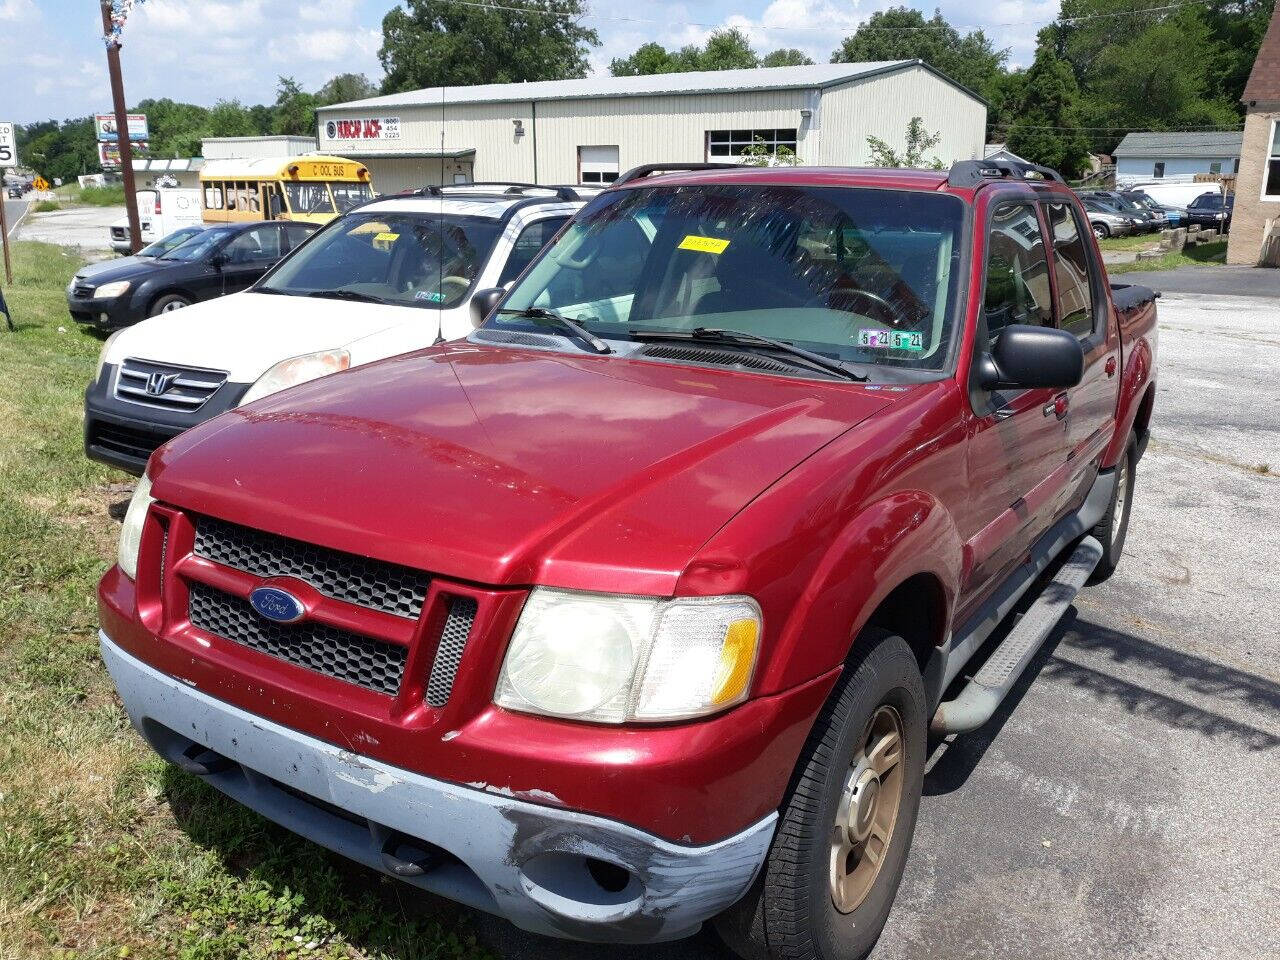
308, 197
347, 195
200, 245
410, 259
173, 240
855, 274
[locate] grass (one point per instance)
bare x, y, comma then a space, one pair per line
1133, 242
71, 194
106, 851
46, 206
1203, 254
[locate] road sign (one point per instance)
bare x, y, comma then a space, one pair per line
40, 183
8, 148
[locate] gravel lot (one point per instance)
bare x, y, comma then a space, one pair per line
85, 227
1123, 803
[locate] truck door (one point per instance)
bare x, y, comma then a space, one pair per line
1013, 443
1082, 306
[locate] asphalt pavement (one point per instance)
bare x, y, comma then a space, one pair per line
1214, 281
1123, 803
13, 213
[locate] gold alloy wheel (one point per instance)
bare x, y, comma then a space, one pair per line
868, 810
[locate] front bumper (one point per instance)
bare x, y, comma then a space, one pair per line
105, 314
528, 862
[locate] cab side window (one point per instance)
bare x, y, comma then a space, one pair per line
1017, 275
532, 239
1074, 270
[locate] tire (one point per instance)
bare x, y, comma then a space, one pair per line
790, 913
1113, 528
1101, 230
168, 303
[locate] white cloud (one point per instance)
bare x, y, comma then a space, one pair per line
16, 10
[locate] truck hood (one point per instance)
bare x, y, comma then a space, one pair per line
503, 466
248, 333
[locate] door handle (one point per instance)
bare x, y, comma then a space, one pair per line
1057, 407
1111, 366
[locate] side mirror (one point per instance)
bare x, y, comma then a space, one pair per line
484, 302
1026, 357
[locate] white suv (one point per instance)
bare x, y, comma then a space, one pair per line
392, 275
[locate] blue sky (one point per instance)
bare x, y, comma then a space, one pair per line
52, 62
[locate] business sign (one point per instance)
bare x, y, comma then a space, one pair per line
104, 124
109, 153
8, 147
376, 128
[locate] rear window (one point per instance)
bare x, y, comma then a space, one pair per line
865, 275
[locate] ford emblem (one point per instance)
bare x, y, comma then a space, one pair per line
276, 604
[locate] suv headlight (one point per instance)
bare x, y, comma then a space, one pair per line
610, 659
108, 290
102, 354
296, 370
131, 529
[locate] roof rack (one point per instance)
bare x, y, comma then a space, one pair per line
645, 169
974, 173
508, 186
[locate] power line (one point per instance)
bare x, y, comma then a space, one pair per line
565, 15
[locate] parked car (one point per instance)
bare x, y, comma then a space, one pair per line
161, 210
1152, 220
215, 261
392, 275
1178, 194
633, 609
14, 192
1106, 220
1172, 215
1212, 210
143, 256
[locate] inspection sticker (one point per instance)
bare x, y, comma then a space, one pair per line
703, 244
429, 295
891, 339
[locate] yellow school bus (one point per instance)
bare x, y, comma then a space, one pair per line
314, 189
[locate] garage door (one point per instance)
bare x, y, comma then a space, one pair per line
597, 164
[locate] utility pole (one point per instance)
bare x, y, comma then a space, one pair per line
122, 129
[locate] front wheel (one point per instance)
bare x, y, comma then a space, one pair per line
1101, 231
168, 303
845, 828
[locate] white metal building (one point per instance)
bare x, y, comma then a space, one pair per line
254, 148
590, 130
1176, 156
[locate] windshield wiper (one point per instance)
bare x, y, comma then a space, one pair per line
573, 326
742, 339
354, 295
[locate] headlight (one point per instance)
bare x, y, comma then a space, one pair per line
131, 529
108, 290
610, 659
296, 370
102, 354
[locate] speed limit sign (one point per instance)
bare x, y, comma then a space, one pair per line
8, 149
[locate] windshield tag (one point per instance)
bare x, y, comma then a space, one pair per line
386, 237
429, 295
703, 244
891, 339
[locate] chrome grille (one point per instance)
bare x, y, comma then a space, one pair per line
369, 583
167, 386
453, 640
82, 291
372, 664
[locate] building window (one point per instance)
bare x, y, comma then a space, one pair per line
1159, 169
729, 144
597, 165
1271, 176
1215, 167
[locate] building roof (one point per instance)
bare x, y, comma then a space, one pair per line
1179, 144
264, 138
697, 81
1264, 80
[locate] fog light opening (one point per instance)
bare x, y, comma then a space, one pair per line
582, 888
611, 877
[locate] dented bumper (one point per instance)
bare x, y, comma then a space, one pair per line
547, 869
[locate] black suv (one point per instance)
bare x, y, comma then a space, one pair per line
223, 259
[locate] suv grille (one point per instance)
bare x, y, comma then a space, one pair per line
82, 291
374, 584
125, 441
372, 664
453, 640
166, 386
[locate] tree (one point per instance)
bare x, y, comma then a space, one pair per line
295, 109
900, 33
728, 49
919, 141
648, 59
229, 118
344, 88
1047, 129
785, 57
431, 43
759, 155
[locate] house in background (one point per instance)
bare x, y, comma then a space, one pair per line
1255, 223
1001, 153
1175, 157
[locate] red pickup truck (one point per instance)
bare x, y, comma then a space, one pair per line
635, 608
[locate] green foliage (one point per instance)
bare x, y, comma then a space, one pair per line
344, 88
102, 196
758, 154
47, 206
1047, 116
785, 57
295, 109
919, 142
901, 33
59, 150
432, 43
728, 49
